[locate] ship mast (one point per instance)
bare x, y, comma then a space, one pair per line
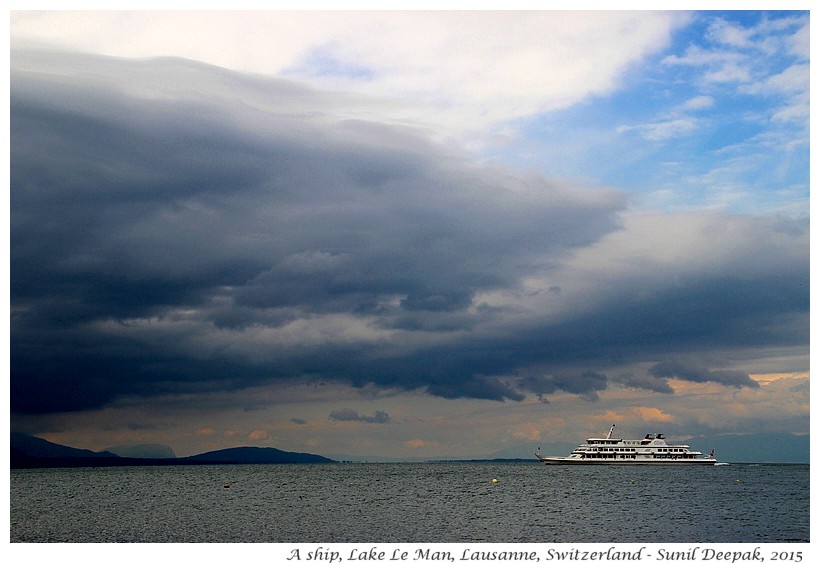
609, 434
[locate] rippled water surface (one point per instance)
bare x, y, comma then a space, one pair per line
409, 502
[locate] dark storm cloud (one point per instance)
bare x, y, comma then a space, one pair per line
347, 415
177, 228
699, 374
642, 381
585, 384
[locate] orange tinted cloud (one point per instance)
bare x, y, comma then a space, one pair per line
416, 443
652, 414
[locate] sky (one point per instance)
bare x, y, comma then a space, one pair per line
427, 234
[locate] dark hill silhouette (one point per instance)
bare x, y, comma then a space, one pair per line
30, 451
250, 454
38, 447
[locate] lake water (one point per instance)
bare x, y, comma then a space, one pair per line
412, 503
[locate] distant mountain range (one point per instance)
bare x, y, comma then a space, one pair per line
30, 451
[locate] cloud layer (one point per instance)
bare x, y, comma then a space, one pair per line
472, 70
165, 240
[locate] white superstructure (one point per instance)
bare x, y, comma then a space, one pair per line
652, 448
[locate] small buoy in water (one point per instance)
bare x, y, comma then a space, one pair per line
495, 480
226, 486
738, 481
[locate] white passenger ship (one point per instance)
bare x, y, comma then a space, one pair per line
651, 449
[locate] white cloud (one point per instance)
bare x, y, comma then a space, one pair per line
724, 32
728, 73
675, 124
471, 69
793, 80
698, 56
792, 85
698, 103
798, 44
664, 130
